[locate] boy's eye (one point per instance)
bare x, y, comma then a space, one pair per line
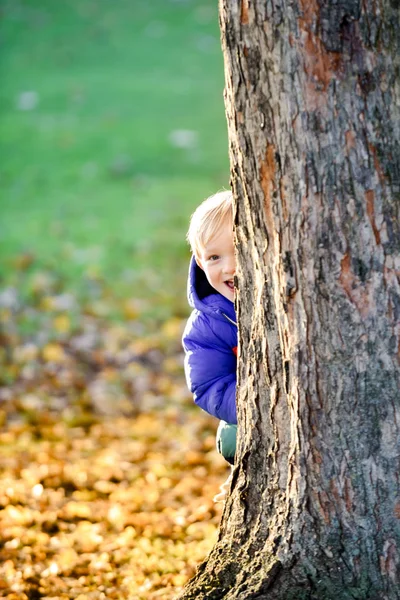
213, 257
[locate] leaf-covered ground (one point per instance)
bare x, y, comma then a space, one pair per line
107, 471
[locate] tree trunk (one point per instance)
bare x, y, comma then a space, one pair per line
313, 109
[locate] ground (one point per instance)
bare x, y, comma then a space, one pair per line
107, 470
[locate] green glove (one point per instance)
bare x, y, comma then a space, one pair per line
226, 440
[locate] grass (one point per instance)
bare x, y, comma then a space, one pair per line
92, 182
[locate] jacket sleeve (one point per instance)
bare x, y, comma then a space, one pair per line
210, 369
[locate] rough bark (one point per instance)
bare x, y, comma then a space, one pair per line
313, 110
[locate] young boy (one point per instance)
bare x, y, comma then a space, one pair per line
210, 336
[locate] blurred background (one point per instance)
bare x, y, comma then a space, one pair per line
112, 130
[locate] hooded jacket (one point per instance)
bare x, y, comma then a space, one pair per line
210, 342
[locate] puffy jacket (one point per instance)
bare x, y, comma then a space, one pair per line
210, 342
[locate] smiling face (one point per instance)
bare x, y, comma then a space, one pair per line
217, 259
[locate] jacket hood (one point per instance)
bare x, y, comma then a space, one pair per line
203, 297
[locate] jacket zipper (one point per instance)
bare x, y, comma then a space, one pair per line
226, 317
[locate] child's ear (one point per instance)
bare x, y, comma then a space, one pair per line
198, 261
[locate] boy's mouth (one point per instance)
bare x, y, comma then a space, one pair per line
230, 284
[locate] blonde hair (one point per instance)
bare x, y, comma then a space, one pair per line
207, 219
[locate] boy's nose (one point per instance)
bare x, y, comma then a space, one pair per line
230, 266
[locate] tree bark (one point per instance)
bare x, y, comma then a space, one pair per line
313, 108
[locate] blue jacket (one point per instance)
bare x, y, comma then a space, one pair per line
210, 342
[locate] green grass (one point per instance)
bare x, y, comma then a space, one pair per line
89, 179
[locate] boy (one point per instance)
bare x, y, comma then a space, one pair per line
210, 336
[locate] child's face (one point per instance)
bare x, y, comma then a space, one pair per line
217, 260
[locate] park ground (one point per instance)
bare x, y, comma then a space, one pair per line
112, 131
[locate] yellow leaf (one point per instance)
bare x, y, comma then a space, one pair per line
81, 510
47, 303
164, 385
140, 346
53, 353
179, 580
116, 516
194, 458
173, 365
110, 374
87, 537
102, 562
130, 309
173, 328
62, 323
